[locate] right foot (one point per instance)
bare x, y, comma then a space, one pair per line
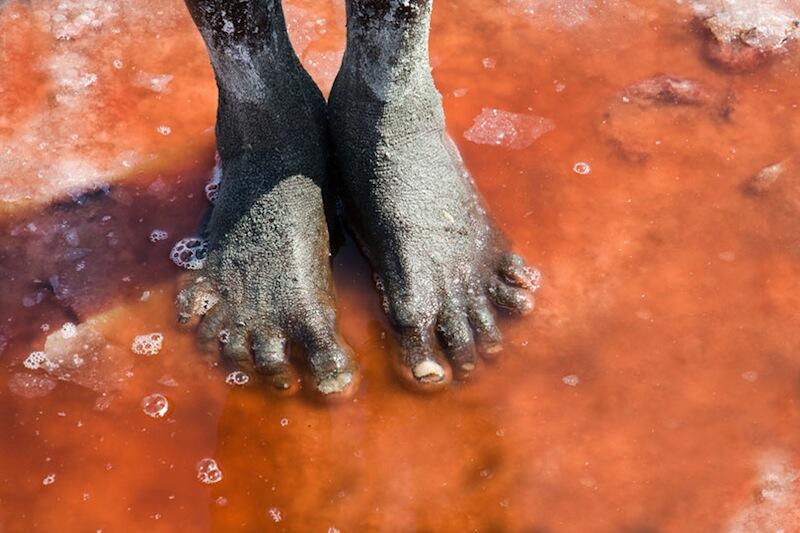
266, 282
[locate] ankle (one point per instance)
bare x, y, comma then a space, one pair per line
387, 45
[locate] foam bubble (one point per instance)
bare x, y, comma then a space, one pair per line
34, 360
147, 344
158, 235
155, 405
49, 479
275, 514
237, 377
68, 330
190, 253
212, 187
581, 167
572, 380
208, 471
164, 130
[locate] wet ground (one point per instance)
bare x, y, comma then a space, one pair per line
654, 389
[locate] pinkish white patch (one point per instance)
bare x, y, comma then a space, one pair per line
765, 25
147, 344
30, 385
507, 129
775, 502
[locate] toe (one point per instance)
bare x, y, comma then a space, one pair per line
236, 349
516, 272
330, 360
413, 318
488, 339
509, 298
455, 336
418, 365
271, 359
208, 333
195, 300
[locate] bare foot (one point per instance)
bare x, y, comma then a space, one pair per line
438, 259
266, 282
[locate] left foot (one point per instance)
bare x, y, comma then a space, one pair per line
439, 261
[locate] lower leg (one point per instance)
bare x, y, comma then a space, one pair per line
258, 75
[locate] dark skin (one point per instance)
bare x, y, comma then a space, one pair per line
441, 265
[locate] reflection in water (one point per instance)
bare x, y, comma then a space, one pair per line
647, 169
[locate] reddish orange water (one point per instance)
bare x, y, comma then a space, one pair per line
669, 292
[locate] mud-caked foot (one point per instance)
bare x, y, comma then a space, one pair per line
266, 283
442, 267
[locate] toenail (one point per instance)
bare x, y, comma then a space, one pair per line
469, 367
280, 384
495, 348
429, 371
335, 383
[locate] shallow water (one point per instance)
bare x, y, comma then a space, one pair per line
655, 388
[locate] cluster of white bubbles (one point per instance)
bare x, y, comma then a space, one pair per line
155, 405
208, 471
35, 360
190, 253
68, 330
147, 344
158, 235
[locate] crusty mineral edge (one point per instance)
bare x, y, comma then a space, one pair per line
173, 163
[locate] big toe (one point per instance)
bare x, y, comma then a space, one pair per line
330, 362
418, 365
